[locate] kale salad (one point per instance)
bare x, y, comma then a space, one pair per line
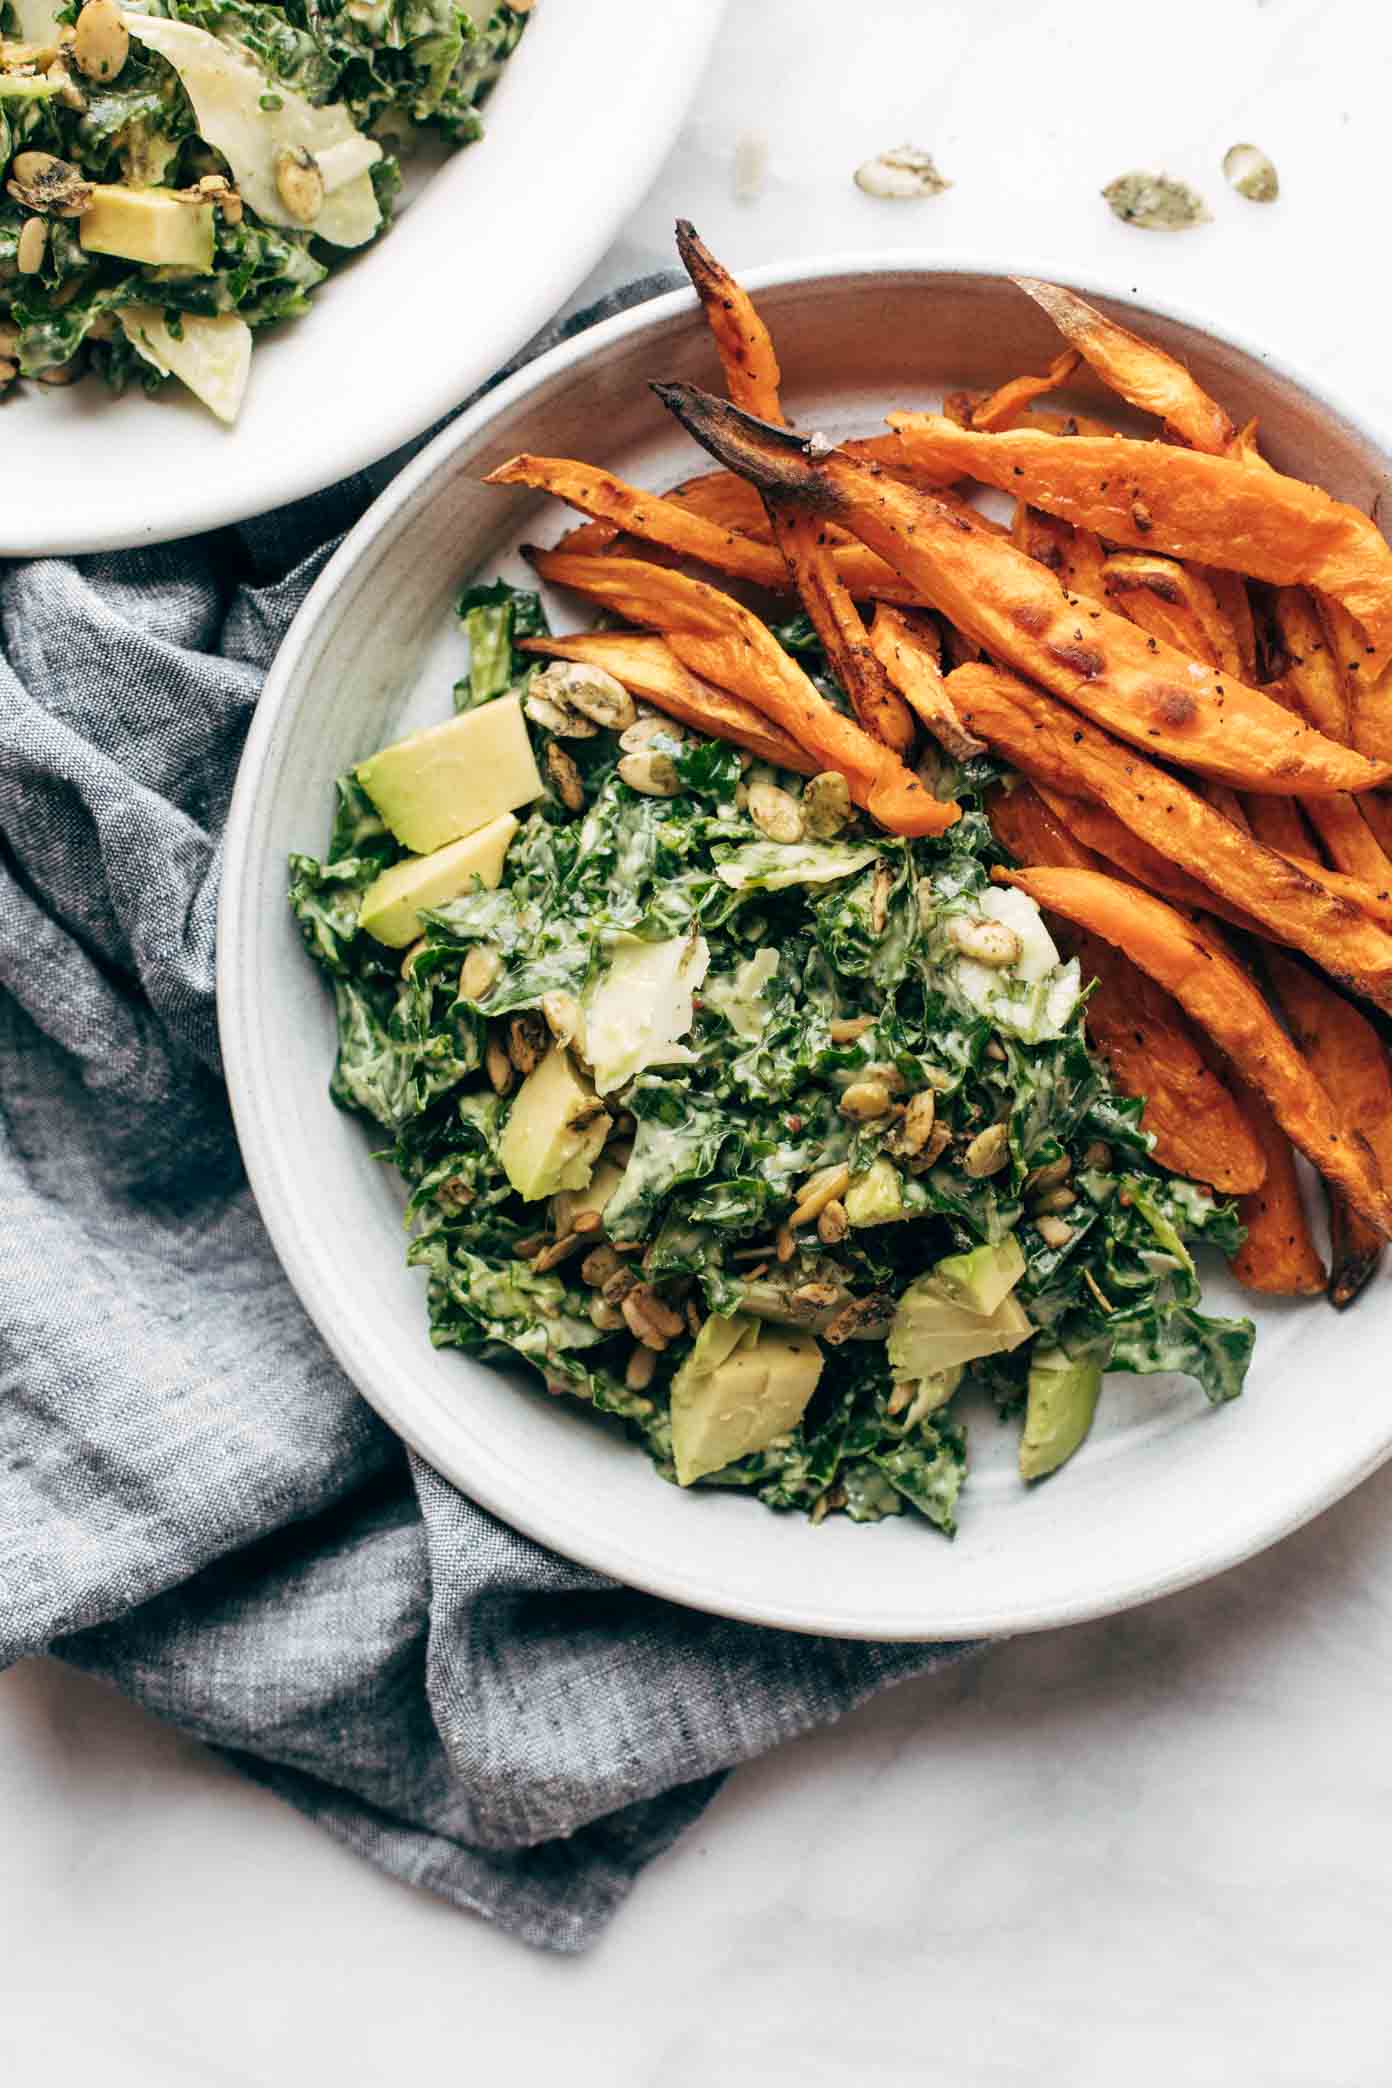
756, 1128
180, 173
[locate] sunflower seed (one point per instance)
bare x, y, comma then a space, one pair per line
641, 1365
33, 242
817, 1192
565, 778
478, 972
917, 1127
988, 1152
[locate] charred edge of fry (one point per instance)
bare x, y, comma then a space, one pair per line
1355, 1249
781, 464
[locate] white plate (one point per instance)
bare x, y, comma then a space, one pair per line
577, 127
1165, 1491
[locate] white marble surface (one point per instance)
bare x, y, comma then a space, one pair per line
1152, 1850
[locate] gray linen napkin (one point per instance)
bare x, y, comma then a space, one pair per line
194, 1502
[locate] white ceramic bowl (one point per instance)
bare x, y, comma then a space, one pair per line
1165, 1492
496, 240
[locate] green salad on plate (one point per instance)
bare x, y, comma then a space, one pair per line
178, 174
759, 1129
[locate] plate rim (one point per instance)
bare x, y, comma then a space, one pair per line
408, 412
603, 1552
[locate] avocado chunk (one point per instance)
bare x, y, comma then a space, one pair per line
877, 1196
978, 1281
149, 225
741, 1386
930, 1334
451, 779
392, 904
1061, 1402
556, 1130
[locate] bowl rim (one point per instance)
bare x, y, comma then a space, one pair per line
352, 564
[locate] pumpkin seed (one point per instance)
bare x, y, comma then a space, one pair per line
988, 1152
1251, 173
299, 183
901, 175
1155, 202
986, 941
588, 695
649, 727
775, 812
652, 775
100, 41
826, 805
38, 181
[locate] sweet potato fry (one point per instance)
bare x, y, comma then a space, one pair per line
1235, 607
1152, 1051
907, 656
752, 378
720, 640
657, 520
1348, 840
1023, 821
1074, 555
1290, 902
1308, 665
1150, 496
1365, 669
743, 342
834, 617
1002, 408
1134, 369
649, 668
1174, 604
1220, 997
1373, 900
1355, 1250
1142, 1032
1350, 1062
1101, 832
1278, 1256
1096, 660
1278, 824
1377, 810
962, 406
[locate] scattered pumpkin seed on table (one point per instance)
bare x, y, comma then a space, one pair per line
902, 175
1252, 173
1155, 202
